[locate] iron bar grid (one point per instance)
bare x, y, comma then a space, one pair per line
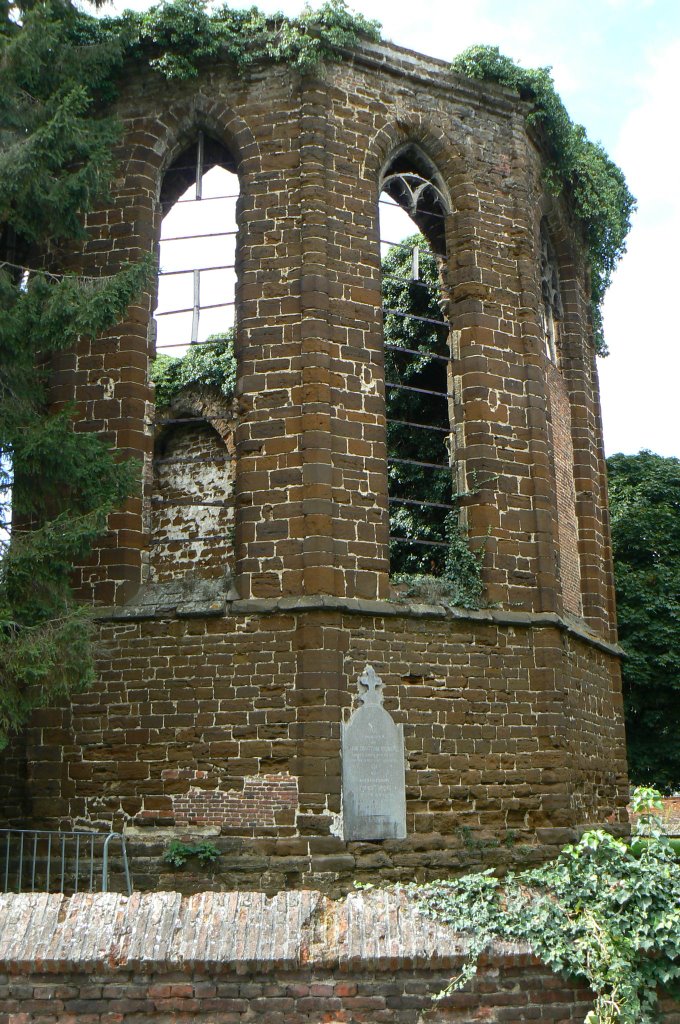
406, 280
405, 245
190, 309
417, 352
39, 860
412, 316
420, 543
444, 360
193, 270
205, 199
420, 426
415, 462
425, 504
205, 234
419, 391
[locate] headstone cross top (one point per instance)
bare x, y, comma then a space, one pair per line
370, 688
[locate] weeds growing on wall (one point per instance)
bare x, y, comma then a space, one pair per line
605, 912
596, 186
179, 852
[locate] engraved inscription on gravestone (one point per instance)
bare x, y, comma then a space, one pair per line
373, 785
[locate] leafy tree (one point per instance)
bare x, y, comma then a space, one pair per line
57, 486
423, 368
419, 466
644, 495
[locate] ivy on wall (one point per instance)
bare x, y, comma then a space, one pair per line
597, 188
605, 912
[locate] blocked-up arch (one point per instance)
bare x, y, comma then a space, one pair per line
192, 507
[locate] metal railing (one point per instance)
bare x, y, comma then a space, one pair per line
67, 862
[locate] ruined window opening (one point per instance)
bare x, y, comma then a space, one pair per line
191, 508
417, 364
197, 252
551, 300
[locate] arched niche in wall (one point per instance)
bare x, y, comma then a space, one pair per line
413, 208
192, 506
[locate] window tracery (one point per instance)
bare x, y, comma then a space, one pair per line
417, 364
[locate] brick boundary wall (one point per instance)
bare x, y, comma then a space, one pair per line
223, 958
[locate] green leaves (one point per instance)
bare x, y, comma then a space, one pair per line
414, 320
176, 37
209, 364
57, 485
644, 496
178, 853
601, 198
599, 913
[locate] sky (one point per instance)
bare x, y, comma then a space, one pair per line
616, 64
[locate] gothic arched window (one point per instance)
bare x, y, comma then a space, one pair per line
551, 301
194, 371
413, 208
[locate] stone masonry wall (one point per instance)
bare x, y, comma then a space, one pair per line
311, 492
227, 958
512, 731
569, 568
225, 673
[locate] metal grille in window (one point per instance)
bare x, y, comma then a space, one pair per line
417, 379
551, 301
197, 273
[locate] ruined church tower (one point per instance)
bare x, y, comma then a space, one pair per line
244, 591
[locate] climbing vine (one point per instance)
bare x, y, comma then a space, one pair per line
605, 912
176, 38
600, 196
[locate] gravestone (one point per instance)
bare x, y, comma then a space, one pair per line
373, 785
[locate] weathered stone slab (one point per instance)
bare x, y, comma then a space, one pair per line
373, 784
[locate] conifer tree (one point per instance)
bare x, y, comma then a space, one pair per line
57, 485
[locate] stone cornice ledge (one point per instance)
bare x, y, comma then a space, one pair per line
357, 606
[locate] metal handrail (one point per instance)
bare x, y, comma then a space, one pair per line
40, 860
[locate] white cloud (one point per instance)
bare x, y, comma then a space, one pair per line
641, 378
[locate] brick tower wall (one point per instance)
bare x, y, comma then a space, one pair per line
220, 697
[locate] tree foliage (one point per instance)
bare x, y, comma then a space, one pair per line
414, 320
176, 38
644, 495
605, 912
57, 486
209, 364
597, 187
